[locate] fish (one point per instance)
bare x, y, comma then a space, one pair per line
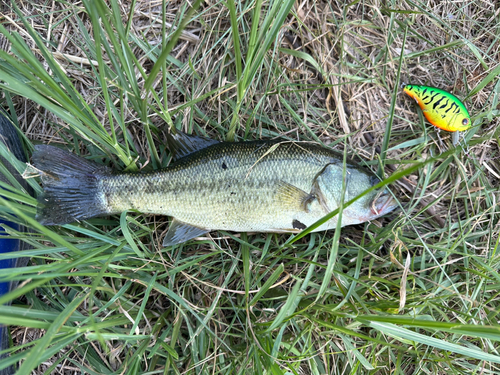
256, 186
440, 108
10, 138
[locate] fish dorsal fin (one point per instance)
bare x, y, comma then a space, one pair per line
181, 144
181, 232
293, 197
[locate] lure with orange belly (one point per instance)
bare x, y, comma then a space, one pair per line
440, 108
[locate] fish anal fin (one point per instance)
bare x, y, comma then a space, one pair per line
181, 144
294, 197
179, 232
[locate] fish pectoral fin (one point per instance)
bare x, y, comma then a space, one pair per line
181, 232
293, 197
181, 144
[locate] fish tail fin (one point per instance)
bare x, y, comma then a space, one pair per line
71, 186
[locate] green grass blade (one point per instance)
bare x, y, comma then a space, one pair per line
36, 353
404, 334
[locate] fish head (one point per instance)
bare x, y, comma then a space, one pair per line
370, 206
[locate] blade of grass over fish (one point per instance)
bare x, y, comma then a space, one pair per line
332, 256
394, 177
390, 120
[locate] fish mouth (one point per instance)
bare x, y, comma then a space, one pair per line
382, 204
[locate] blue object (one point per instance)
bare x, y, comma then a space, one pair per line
6, 246
9, 136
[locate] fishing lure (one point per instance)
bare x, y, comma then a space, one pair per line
440, 108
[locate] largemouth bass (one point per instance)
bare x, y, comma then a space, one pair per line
258, 186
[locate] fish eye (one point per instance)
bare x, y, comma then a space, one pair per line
465, 121
374, 180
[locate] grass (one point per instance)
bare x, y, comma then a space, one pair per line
413, 292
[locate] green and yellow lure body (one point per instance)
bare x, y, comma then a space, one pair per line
440, 108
